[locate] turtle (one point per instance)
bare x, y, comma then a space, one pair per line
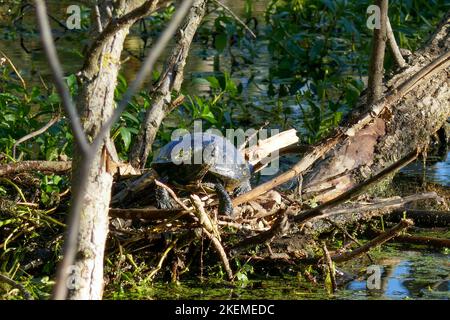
203, 159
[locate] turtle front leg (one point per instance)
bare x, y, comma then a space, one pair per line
163, 200
244, 187
225, 204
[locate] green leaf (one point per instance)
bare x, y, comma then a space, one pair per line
213, 82
125, 134
220, 42
131, 117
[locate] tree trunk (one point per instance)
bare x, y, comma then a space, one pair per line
170, 80
96, 104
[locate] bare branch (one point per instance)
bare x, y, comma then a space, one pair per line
169, 81
376, 67
379, 240
330, 266
112, 28
235, 17
145, 70
55, 66
34, 134
393, 45
14, 68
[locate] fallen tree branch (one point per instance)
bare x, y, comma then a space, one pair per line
385, 204
296, 170
27, 166
437, 65
379, 240
440, 63
356, 190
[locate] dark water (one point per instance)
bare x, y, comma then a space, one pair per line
433, 170
406, 274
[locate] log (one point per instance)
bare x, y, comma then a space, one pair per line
381, 134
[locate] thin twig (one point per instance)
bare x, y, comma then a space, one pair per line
34, 134
221, 252
58, 76
14, 68
235, 17
17, 285
158, 267
393, 45
382, 238
330, 266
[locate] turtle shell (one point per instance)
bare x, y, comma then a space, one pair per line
192, 152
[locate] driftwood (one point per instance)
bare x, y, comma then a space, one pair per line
29, 166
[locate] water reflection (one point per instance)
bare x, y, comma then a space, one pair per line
435, 170
416, 277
